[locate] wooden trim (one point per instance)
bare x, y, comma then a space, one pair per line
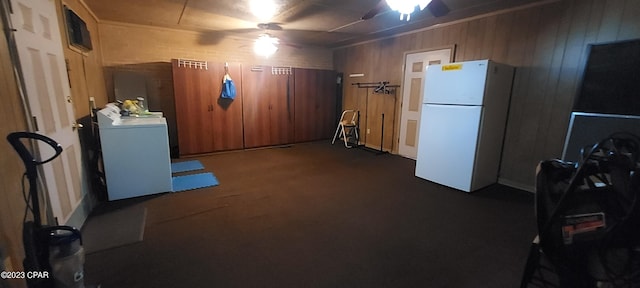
132, 25
93, 15
164, 28
517, 185
452, 57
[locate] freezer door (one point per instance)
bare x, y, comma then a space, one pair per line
447, 144
461, 83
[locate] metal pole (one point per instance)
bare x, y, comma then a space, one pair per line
382, 134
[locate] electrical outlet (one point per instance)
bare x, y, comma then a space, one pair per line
368, 131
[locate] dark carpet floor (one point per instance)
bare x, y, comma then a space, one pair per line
321, 215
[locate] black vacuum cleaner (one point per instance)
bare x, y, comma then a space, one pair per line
54, 253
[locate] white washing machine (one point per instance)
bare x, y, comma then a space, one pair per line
135, 153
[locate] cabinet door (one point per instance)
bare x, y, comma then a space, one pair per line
326, 103
305, 105
193, 109
281, 110
227, 114
315, 101
255, 84
267, 107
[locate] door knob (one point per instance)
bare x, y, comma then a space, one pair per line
75, 126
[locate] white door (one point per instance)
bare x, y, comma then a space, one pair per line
39, 45
448, 141
414, 68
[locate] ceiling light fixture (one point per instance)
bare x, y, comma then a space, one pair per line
263, 9
407, 7
265, 45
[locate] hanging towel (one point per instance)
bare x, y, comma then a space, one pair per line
228, 88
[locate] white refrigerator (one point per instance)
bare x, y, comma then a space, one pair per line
462, 124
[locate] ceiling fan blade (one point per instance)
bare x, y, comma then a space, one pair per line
270, 26
438, 8
373, 12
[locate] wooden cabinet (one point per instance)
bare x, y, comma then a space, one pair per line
272, 106
315, 104
206, 122
268, 107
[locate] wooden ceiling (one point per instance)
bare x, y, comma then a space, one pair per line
324, 23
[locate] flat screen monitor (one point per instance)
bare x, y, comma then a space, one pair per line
587, 129
611, 80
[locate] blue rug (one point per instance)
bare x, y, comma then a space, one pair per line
185, 166
194, 181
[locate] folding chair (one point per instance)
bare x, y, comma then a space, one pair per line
347, 128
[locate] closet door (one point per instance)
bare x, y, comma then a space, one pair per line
256, 106
267, 107
227, 114
326, 102
305, 110
281, 111
193, 109
315, 101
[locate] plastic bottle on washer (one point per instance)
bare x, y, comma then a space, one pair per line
141, 108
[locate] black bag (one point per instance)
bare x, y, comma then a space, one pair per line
587, 213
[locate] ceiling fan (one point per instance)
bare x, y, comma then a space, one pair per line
271, 28
436, 7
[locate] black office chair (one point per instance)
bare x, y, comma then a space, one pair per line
588, 219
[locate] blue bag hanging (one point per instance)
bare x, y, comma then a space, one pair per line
228, 88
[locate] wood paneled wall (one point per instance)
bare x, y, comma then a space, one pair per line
371, 107
12, 205
86, 74
126, 44
547, 43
